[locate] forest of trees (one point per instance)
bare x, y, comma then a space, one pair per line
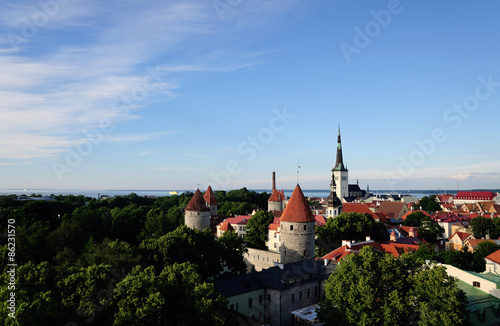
130, 260
120, 261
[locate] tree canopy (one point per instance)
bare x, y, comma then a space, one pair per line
376, 289
257, 229
348, 226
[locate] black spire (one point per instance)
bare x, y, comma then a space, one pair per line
339, 163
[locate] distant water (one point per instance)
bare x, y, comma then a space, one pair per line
161, 193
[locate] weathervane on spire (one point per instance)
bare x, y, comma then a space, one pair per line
298, 167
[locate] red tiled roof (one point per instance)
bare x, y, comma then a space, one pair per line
410, 212
382, 218
210, 197
461, 235
475, 242
298, 209
225, 226
241, 219
282, 194
358, 208
395, 249
275, 196
274, 226
320, 220
494, 257
475, 195
197, 203
391, 209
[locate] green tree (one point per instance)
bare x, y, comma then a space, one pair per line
233, 250
429, 229
348, 226
176, 296
257, 229
185, 245
376, 289
428, 204
481, 226
36, 295
86, 294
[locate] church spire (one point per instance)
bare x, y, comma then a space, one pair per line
339, 163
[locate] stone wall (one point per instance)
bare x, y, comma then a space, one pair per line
262, 259
197, 220
297, 241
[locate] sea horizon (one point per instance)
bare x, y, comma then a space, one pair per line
95, 193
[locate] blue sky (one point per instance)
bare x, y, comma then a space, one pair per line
178, 94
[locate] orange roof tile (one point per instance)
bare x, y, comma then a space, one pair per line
461, 235
358, 208
197, 203
494, 257
210, 197
225, 226
391, 209
275, 196
298, 209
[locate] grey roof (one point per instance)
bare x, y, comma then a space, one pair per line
279, 277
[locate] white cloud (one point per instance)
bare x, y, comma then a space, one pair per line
133, 138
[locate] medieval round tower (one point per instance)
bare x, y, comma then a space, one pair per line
297, 226
197, 214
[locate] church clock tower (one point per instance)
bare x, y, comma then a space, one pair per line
340, 173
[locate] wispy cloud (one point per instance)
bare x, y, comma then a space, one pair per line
134, 138
55, 87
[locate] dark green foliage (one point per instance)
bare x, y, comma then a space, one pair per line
376, 289
348, 226
257, 229
428, 229
481, 226
428, 204
240, 202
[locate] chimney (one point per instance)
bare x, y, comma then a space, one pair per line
393, 236
274, 181
368, 238
412, 232
346, 243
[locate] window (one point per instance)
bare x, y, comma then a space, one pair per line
291, 227
293, 297
275, 245
305, 227
261, 299
476, 284
300, 296
268, 298
308, 293
275, 235
250, 303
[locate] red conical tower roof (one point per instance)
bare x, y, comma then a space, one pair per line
298, 209
197, 203
275, 196
210, 197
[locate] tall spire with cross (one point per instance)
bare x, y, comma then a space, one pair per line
339, 171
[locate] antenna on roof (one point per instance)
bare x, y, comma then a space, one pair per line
298, 167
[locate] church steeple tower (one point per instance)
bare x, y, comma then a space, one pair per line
339, 171
339, 163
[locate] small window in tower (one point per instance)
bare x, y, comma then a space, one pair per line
305, 227
291, 227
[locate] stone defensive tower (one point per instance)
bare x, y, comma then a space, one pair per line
297, 226
211, 201
197, 214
